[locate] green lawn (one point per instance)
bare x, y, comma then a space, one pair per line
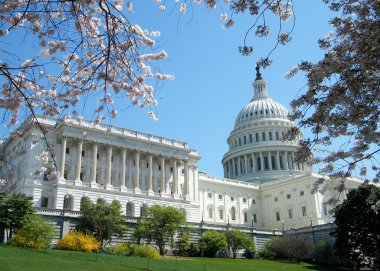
56, 260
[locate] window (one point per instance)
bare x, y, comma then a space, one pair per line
245, 216
239, 141
288, 196
67, 150
275, 199
221, 214
209, 209
290, 213
254, 218
233, 214
245, 140
277, 137
257, 137
232, 199
97, 156
324, 209
147, 165
270, 136
220, 197
83, 153
258, 160
171, 169
250, 138
263, 135
209, 195
278, 216
159, 167
303, 210
244, 200
302, 193
44, 202
253, 201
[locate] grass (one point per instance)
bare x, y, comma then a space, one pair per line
16, 259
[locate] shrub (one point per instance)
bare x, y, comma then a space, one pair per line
78, 241
287, 247
211, 242
36, 233
145, 251
123, 249
250, 251
182, 245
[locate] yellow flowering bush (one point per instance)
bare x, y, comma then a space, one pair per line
122, 249
145, 251
78, 241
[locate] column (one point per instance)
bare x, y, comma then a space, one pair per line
123, 168
293, 167
79, 163
254, 168
270, 161
162, 184
278, 166
233, 168
245, 164
94, 164
286, 161
137, 173
262, 161
186, 188
109, 168
63, 158
175, 179
150, 175
239, 166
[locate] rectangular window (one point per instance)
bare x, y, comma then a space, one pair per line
44, 202
254, 218
263, 135
220, 197
270, 136
303, 210
159, 167
278, 216
275, 199
209, 195
257, 137
302, 193
324, 209
266, 163
244, 200
67, 150
209, 212
250, 138
258, 163
245, 140
288, 196
239, 141
97, 156
83, 153
253, 201
290, 212
277, 137
221, 215
245, 217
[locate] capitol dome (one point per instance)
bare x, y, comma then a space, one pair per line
257, 149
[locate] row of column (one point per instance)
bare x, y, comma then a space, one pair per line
136, 180
287, 158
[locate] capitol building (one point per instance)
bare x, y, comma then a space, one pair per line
263, 185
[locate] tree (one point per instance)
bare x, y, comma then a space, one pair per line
342, 100
160, 224
102, 220
211, 242
182, 244
358, 227
13, 213
36, 233
237, 240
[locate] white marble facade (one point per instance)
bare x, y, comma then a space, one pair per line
263, 186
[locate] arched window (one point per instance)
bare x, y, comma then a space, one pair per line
83, 201
233, 214
130, 209
143, 209
68, 202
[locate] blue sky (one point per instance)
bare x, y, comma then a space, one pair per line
213, 82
